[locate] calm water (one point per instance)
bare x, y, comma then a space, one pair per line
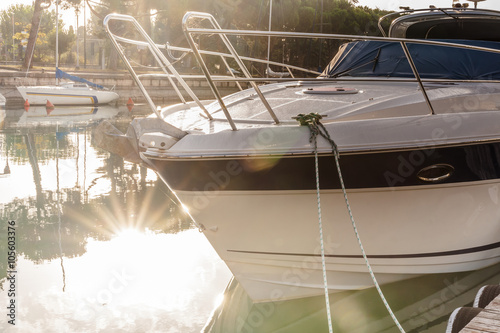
102, 247
100, 244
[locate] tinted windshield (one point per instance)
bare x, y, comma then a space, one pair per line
471, 29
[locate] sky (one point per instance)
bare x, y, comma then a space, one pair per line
70, 18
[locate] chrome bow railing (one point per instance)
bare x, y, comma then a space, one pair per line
191, 26
171, 73
191, 23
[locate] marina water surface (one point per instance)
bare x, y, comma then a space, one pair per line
91, 243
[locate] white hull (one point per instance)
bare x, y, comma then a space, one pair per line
274, 252
61, 95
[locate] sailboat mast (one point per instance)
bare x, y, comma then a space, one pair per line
269, 37
57, 39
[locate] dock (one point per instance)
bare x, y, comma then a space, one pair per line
482, 317
488, 320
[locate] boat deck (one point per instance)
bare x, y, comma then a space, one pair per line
487, 320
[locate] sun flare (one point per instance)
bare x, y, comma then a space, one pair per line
130, 233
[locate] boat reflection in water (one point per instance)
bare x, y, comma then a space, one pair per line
2, 110
422, 304
67, 114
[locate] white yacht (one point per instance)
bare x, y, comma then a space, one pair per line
415, 117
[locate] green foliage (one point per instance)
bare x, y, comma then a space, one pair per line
67, 4
13, 23
307, 16
337, 16
45, 45
67, 39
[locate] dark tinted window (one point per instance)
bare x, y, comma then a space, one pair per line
488, 30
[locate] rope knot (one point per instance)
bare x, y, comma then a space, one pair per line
312, 120
308, 119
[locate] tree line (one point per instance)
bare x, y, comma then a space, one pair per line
28, 32
20, 24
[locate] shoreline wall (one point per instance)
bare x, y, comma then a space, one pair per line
159, 89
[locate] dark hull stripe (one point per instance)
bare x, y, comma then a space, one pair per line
93, 97
469, 163
384, 256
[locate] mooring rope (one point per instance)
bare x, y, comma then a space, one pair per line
312, 120
323, 264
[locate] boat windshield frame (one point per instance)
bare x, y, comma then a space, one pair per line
420, 15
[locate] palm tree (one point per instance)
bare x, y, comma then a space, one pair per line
39, 6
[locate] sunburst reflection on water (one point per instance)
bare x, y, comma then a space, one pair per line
101, 244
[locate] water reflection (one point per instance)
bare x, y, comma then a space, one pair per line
131, 283
422, 304
68, 115
101, 245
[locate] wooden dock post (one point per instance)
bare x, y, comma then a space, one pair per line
484, 317
488, 320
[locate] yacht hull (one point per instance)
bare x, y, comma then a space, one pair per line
270, 240
261, 216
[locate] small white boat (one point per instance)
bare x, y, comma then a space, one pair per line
417, 126
78, 92
70, 93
